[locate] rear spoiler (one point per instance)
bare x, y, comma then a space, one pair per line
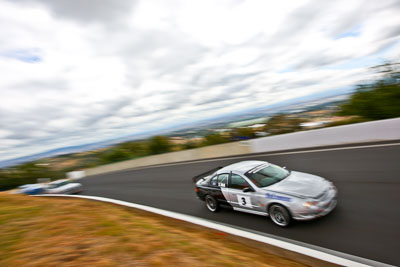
202, 175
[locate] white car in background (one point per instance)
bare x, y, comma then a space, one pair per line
63, 186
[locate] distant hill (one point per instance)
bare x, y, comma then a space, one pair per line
284, 106
50, 153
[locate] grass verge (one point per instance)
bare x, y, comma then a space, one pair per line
74, 232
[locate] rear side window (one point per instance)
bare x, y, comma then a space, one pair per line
223, 180
238, 182
220, 180
213, 181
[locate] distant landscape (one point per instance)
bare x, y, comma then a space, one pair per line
290, 106
371, 101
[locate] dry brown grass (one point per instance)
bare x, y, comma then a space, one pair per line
74, 232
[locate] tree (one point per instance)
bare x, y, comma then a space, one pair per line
115, 154
190, 145
25, 174
137, 148
379, 99
159, 144
214, 139
243, 133
280, 124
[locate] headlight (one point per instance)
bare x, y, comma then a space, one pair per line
310, 204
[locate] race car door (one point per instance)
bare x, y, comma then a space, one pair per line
239, 199
218, 187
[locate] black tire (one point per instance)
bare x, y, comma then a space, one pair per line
211, 203
279, 215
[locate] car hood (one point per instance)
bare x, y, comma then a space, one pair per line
301, 184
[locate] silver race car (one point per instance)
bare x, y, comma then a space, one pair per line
263, 188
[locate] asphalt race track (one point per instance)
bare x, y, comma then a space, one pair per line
366, 222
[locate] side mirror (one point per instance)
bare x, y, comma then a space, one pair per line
248, 189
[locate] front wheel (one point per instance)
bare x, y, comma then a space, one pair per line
279, 215
211, 203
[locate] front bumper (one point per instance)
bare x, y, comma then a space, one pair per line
326, 208
306, 217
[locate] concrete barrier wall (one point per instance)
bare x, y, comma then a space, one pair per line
384, 130
223, 150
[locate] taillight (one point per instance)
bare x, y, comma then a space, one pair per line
196, 189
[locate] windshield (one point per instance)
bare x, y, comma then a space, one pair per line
268, 175
55, 185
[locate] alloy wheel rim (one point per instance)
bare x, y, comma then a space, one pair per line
279, 217
210, 204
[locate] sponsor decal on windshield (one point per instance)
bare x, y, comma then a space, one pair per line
272, 196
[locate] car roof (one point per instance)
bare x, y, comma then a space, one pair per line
242, 167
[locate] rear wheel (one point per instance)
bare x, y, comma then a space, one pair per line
279, 215
211, 203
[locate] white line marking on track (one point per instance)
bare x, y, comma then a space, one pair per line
230, 230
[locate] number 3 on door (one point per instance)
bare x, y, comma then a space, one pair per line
244, 201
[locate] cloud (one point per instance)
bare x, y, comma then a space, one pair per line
75, 72
85, 11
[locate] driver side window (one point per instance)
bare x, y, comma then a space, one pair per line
237, 182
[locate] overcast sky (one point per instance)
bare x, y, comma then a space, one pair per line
76, 72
